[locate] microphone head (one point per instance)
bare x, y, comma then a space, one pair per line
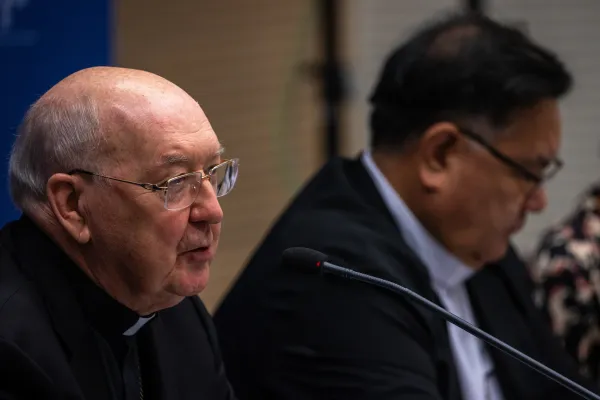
304, 259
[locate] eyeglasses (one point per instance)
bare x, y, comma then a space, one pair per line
548, 173
181, 191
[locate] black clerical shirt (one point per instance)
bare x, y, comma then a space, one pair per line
63, 337
119, 333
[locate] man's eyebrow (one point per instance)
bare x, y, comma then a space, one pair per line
181, 159
173, 159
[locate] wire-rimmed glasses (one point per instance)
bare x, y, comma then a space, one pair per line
181, 191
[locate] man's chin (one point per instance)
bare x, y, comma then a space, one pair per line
492, 253
497, 252
193, 280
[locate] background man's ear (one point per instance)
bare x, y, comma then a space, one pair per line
436, 147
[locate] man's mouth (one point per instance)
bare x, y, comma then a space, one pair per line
198, 249
199, 254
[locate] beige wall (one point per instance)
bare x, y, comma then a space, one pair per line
241, 60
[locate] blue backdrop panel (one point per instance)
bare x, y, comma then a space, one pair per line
41, 42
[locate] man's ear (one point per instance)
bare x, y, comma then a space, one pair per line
436, 147
63, 192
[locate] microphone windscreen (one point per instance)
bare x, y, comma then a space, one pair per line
303, 258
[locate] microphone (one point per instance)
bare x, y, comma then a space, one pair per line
309, 260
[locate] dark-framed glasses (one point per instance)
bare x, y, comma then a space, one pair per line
181, 191
549, 170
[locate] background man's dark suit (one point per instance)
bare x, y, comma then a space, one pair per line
288, 335
51, 349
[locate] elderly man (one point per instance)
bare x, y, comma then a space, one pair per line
465, 131
117, 173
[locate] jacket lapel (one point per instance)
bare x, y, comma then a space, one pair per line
500, 312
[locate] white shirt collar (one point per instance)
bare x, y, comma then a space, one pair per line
138, 325
445, 269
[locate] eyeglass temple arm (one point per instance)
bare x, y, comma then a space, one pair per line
148, 186
530, 175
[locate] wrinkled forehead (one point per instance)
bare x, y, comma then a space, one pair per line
188, 152
161, 133
139, 112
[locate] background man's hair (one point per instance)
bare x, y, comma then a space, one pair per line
464, 66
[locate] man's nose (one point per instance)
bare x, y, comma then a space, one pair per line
537, 199
206, 207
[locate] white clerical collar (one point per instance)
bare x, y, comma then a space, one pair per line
138, 325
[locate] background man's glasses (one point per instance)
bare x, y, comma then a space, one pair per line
181, 191
549, 170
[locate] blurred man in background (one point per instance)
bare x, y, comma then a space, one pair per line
566, 274
465, 130
117, 173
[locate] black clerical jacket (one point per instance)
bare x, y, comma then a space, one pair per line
61, 336
289, 335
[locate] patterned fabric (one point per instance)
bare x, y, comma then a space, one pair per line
566, 273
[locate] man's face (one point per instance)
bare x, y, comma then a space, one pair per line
161, 255
489, 200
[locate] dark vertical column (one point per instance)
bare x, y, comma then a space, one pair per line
331, 75
476, 5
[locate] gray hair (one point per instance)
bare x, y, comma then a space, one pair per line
58, 134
